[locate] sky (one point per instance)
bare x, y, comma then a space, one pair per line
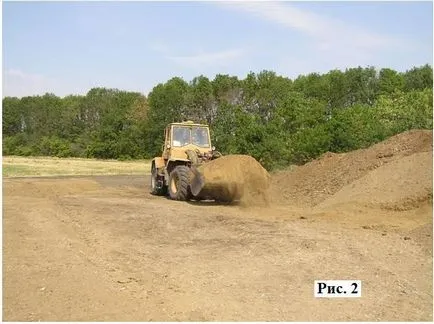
70, 47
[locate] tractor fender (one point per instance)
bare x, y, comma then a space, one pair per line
172, 163
158, 162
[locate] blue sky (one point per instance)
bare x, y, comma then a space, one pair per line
70, 47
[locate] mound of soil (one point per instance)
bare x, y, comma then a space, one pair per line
236, 178
399, 185
314, 182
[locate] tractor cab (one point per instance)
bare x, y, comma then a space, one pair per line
185, 139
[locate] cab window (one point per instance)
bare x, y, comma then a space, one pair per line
181, 136
199, 136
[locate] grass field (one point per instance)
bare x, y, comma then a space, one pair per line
17, 166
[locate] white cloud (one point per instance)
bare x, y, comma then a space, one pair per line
199, 59
329, 34
202, 59
19, 83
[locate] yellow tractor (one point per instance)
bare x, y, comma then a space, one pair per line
187, 145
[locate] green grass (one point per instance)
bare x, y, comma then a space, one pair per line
17, 166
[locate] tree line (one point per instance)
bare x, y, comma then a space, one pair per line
277, 120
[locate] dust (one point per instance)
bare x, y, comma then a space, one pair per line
401, 185
237, 178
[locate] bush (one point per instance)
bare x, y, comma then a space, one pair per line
309, 143
12, 145
405, 111
54, 146
27, 151
354, 128
124, 158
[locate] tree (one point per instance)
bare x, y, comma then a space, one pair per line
276, 120
390, 81
227, 89
404, 111
12, 116
362, 86
201, 105
419, 78
167, 104
263, 92
355, 127
336, 86
312, 85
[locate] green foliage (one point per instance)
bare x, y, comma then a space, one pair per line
403, 111
390, 81
200, 101
264, 92
227, 89
167, 103
273, 118
355, 127
309, 143
419, 78
362, 86
12, 145
11, 116
54, 146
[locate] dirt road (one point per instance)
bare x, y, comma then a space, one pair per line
104, 249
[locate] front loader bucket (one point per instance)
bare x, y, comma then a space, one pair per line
229, 178
204, 186
197, 182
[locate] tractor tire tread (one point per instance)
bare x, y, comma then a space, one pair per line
183, 192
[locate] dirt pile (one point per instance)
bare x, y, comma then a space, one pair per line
235, 178
319, 180
400, 185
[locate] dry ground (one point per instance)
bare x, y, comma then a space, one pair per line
104, 249
19, 166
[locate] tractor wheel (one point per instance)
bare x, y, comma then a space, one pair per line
179, 183
155, 190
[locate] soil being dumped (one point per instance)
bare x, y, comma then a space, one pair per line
236, 178
395, 174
